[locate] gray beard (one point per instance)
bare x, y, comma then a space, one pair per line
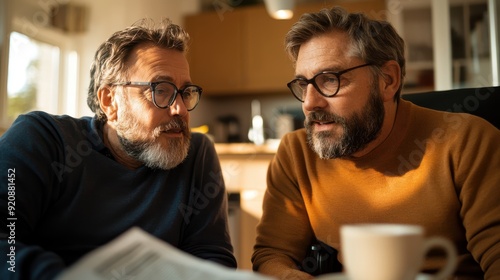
358, 130
151, 153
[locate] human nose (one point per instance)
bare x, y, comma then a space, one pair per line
313, 99
178, 107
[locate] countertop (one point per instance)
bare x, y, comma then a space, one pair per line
268, 148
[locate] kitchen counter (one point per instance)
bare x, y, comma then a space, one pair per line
268, 148
244, 168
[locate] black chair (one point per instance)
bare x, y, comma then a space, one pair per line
320, 259
483, 102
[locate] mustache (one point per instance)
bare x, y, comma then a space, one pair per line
322, 116
176, 123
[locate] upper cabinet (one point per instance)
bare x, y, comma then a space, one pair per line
215, 51
242, 51
266, 64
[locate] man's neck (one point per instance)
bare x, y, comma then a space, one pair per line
112, 142
385, 131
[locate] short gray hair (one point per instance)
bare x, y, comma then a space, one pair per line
111, 56
373, 41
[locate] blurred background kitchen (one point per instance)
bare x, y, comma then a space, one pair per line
237, 56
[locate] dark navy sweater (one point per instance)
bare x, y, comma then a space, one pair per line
69, 196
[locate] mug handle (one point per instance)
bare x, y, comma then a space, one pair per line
451, 256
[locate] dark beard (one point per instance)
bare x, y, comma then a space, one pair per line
358, 130
152, 154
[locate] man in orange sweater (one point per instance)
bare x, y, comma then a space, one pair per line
367, 156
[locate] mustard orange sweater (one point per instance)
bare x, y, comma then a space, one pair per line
436, 169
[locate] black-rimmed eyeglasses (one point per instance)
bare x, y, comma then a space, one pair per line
327, 83
164, 93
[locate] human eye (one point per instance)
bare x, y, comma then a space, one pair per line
164, 90
190, 92
328, 82
328, 78
300, 83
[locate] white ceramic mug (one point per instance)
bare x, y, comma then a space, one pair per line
390, 251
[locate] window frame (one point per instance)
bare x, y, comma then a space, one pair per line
45, 35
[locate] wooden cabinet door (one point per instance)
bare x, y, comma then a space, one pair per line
215, 56
267, 67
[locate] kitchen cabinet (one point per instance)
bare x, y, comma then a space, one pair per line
215, 51
241, 51
267, 66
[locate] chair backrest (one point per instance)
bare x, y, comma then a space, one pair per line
483, 102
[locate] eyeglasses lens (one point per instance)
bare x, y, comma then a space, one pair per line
191, 96
299, 88
164, 95
328, 83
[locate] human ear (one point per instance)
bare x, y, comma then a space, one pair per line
390, 80
107, 102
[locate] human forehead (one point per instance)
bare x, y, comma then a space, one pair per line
151, 62
326, 52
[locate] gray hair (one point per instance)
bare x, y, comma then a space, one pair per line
108, 66
373, 41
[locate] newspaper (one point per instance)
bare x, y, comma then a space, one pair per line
138, 255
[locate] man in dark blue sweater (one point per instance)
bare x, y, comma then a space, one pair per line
71, 185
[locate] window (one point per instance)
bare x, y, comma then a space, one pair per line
33, 75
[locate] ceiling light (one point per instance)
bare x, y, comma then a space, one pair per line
280, 9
